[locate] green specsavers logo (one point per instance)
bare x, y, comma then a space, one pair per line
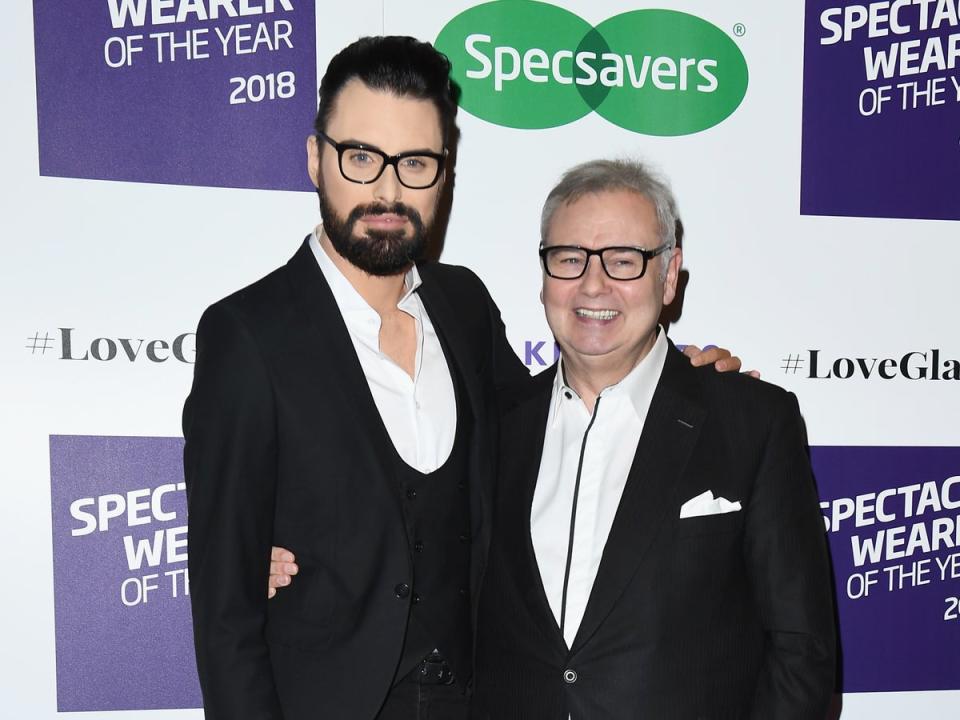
530, 65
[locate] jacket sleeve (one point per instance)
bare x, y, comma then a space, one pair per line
786, 553
508, 369
230, 467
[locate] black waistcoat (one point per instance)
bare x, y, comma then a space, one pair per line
437, 514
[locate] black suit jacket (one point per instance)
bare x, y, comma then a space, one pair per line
720, 617
284, 445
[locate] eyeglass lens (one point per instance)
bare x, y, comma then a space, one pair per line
571, 263
364, 165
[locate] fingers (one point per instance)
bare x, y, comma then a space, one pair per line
711, 355
274, 582
281, 574
279, 554
721, 359
282, 569
728, 364
277, 580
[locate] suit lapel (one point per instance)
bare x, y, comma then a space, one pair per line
669, 436
329, 341
523, 431
448, 323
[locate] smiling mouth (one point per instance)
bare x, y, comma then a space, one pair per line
596, 314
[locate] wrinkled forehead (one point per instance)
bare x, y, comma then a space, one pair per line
393, 123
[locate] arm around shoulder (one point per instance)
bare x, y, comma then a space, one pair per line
508, 369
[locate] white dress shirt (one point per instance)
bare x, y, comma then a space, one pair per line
607, 440
420, 413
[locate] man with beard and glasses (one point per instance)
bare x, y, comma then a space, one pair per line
344, 407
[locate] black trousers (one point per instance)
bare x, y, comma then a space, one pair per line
411, 700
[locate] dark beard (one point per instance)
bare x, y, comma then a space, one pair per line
379, 252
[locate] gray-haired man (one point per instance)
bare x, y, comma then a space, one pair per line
657, 548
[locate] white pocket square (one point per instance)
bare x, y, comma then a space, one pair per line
706, 504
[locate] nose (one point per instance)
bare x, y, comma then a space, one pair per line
387, 187
594, 279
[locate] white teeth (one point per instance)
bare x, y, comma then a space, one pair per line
597, 314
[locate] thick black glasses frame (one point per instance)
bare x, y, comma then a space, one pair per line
647, 256
388, 160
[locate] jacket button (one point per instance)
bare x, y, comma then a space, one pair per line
570, 676
411, 494
418, 546
402, 590
464, 539
415, 599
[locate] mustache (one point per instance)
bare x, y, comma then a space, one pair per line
379, 208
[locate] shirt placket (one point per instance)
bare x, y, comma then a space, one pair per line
423, 431
585, 530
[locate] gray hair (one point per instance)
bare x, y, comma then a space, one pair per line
598, 176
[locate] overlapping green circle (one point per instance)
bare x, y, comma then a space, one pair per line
531, 65
518, 24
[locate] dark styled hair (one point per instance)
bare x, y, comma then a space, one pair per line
397, 64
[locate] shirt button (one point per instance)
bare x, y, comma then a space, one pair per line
402, 590
411, 494
568, 395
570, 676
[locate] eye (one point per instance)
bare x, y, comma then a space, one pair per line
360, 158
414, 164
567, 257
625, 259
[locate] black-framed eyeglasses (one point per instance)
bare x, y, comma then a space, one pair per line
569, 262
416, 169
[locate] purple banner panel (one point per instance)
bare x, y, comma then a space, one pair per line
881, 109
893, 520
124, 637
184, 92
